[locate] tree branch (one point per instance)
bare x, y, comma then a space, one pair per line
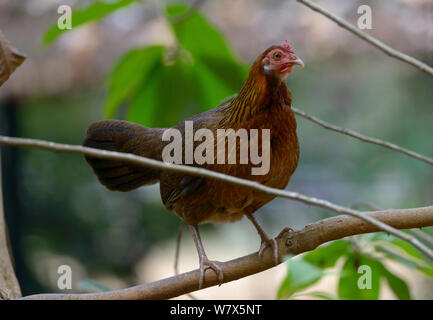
373, 41
362, 137
9, 287
142, 161
423, 236
289, 242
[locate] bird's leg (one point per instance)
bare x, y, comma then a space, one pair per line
266, 240
205, 263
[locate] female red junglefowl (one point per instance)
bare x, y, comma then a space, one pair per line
263, 103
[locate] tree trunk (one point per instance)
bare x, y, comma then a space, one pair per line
9, 287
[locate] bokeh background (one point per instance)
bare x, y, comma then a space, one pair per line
57, 211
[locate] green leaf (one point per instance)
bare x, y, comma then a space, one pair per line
300, 274
397, 285
227, 70
177, 91
212, 88
408, 248
161, 94
197, 35
408, 260
144, 106
326, 256
95, 11
402, 252
357, 283
391, 254
404, 245
218, 72
131, 76
172, 93
196, 78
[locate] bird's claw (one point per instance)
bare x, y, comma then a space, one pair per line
284, 231
208, 264
270, 243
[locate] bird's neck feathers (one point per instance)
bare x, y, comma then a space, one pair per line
259, 93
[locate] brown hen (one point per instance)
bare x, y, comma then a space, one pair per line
263, 102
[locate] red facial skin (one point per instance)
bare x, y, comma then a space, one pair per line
281, 60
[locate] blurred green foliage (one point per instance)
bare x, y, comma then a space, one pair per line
66, 213
163, 85
364, 257
158, 86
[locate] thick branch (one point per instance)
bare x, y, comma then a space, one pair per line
373, 41
142, 161
362, 137
9, 287
289, 242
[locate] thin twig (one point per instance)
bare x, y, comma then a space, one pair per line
289, 242
423, 236
368, 205
373, 41
143, 161
418, 233
177, 249
362, 137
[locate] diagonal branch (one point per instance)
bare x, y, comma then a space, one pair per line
362, 137
373, 41
423, 236
289, 242
143, 161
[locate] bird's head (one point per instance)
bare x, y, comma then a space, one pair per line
277, 61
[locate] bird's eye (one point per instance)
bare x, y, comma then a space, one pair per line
277, 55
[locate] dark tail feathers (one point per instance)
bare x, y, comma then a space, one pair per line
124, 136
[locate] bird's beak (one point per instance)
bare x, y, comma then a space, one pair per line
287, 66
297, 61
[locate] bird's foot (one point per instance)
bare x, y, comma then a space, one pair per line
273, 243
269, 242
284, 231
208, 264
